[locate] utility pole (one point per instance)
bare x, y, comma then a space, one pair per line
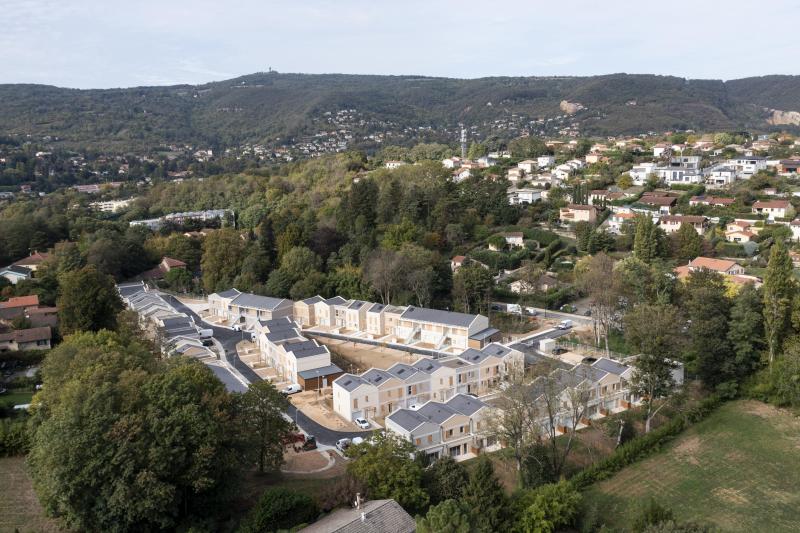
463, 142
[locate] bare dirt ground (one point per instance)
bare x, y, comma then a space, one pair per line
362, 357
320, 410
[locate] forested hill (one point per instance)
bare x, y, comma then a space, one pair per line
266, 106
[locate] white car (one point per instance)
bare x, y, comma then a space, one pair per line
362, 423
292, 389
343, 444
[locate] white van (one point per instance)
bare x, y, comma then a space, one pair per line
565, 324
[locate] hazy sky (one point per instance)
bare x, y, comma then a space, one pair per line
111, 43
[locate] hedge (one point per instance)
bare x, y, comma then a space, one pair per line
14, 438
639, 448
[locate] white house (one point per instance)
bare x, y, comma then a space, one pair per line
641, 172
746, 166
545, 161
523, 196
773, 208
391, 165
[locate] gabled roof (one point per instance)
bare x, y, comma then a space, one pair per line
320, 372
610, 366
407, 419
719, 265
464, 404
436, 412
772, 204
376, 308
436, 316
16, 269
32, 300
34, 259
336, 300
402, 371
304, 348
28, 335
230, 293
377, 516
357, 304
427, 365
689, 219
313, 300
172, 263
255, 301
376, 376
350, 382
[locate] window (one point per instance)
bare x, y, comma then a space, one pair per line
355, 403
418, 441
448, 433
408, 390
461, 429
430, 439
366, 399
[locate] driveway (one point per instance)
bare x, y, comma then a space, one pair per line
228, 338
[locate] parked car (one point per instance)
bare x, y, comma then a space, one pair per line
564, 324
343, 444
237, 327
362, 423
3, 391
495, 307
559, 351
208, 342
292, 389
531, 311
310, 443
588, 312
568, 308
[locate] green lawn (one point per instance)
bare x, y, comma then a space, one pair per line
739, 470
16, 397
19, 508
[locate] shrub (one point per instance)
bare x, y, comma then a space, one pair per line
280, 508
14, 437
549, 508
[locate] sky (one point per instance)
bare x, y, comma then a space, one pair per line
112, 43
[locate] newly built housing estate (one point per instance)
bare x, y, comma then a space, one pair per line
380, 392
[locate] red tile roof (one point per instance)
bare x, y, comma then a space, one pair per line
31, 300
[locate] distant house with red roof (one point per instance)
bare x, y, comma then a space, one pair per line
33, 261
166, 264
773, 208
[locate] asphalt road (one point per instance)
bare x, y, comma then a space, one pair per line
530, 345
578, 319
229, 338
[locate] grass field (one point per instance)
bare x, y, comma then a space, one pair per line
16, 397
19, 508
739, 470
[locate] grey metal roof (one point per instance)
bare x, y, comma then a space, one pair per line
437, 316
498, 350
473, 356
178, 320
427, 365
402, 371
282, 335
321, 372
407, 419
436, 412
357, 304
395, 309
466, 405
484, 334
336, 300
313, 300
350, 382
230, 293
376, 376
610, 366
278, 324
257, 302
376, 308
304, 348
379, 516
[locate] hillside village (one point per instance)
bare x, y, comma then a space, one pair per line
425, 297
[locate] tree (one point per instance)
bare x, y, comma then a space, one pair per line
652, 330
472, 286
179, 279
223, 254
88, 301
262, 408
708, 309
446, 480
485, 499
549, 508
687, 243
122, 441
648, 240
778, 290
597, 279
745, 334
625, 181
450, 516
780, 384
384, 271
280, 509
385, 467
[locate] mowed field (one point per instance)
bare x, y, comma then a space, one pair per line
19, 508
738, 470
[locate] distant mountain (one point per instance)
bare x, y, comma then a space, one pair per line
265, 106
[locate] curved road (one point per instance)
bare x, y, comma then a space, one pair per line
228, 339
